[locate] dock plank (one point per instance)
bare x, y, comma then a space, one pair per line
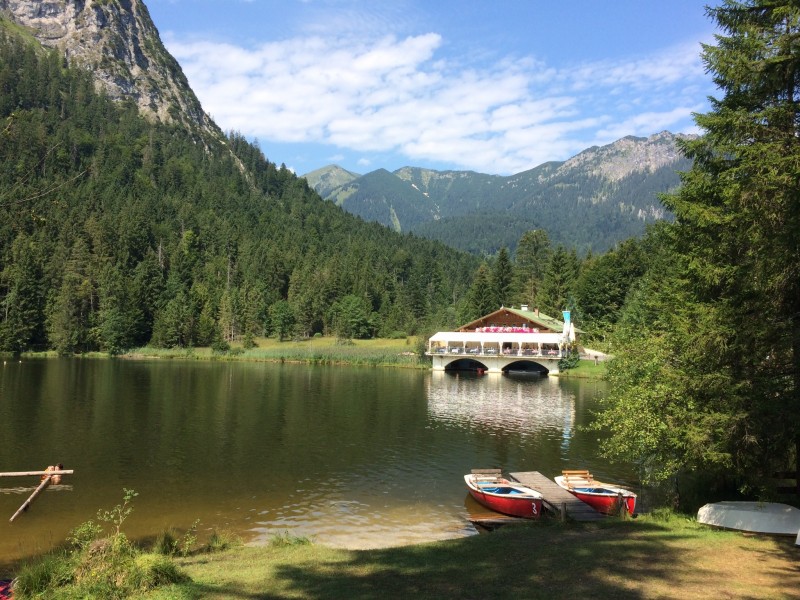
555, 496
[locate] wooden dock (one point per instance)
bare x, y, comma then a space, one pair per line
556, 497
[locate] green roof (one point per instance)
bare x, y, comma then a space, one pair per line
541, 319
545, 320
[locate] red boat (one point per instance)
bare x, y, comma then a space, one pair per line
503, 496
603, 497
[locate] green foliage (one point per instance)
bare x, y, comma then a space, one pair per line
708, 370
50, 572
282, 320
167, 544
602, 286
116, 233
351, 318
84, 534
570, 361
287, 539
480, 297
502, 274
117, 515
530, 262
221, 541
95, 567
556, 290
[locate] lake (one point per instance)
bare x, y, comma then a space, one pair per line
351, 457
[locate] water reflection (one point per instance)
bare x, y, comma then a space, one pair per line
502, 403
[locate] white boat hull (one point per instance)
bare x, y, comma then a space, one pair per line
757, 517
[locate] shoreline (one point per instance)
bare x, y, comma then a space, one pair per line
378, 352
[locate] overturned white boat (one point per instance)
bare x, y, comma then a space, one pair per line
757, 517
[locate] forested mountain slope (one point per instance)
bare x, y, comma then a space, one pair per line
592, 201
117, 231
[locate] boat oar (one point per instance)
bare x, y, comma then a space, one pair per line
42, 486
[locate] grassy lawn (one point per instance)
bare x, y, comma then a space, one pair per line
643, 558
316, 350
586, 369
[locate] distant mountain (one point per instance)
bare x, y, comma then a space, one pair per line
326, 179
599, 197
383, 197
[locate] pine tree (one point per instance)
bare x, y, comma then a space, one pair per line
709, 376
502, 276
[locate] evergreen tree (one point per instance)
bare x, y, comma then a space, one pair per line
531, 260
603, 284
709, 373
70, 313
23, 303
351, 318
556, 291
282, 319
502, 275
480, 297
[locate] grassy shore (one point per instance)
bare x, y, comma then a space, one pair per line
316, 350
380, 352
648, 557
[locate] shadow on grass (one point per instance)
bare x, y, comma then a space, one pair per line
545, 562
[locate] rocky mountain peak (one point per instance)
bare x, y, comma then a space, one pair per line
118, 42
627, 156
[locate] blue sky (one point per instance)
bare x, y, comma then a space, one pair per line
495, 87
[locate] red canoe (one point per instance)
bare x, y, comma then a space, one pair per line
603, 497
503, 496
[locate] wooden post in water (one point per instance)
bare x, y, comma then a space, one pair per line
27, 503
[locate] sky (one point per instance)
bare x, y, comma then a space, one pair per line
496, 87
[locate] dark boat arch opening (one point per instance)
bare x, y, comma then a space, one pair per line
467, 364
526, 367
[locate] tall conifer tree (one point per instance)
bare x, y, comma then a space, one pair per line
715, 379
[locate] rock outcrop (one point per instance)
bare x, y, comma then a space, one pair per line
118, 42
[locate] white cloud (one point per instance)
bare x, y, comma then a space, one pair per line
405, 95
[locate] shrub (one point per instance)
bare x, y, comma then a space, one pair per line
108, 567
217, 542
49, 572
287, 539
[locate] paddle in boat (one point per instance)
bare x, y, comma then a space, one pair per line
603, 497
499, 494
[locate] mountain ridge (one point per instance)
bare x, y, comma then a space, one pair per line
613, 187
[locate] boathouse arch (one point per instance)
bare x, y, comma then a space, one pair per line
526, 366
466, 364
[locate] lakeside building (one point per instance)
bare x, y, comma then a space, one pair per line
507, 340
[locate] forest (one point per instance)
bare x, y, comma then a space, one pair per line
116, 232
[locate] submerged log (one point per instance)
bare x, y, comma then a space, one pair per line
42, 486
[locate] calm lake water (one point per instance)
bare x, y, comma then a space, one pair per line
353, 457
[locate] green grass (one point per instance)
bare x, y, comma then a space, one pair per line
642, 558
317, 350
586, 369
